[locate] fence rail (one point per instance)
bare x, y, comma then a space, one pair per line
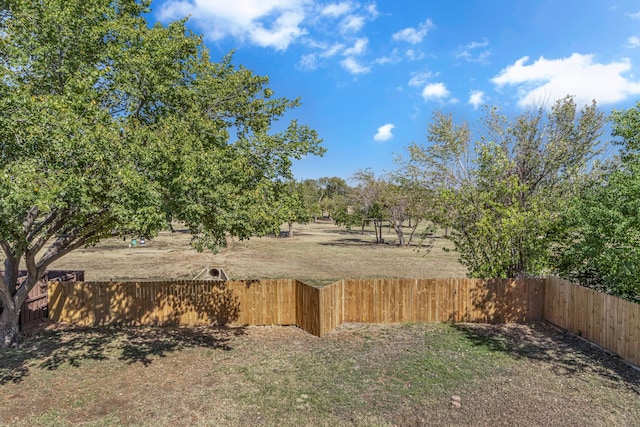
602, 319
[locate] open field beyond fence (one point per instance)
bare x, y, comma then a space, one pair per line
319, 253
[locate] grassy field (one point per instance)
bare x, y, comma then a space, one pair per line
318, 252
358, 375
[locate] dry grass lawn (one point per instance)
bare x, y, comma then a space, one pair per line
318, 252
358, 375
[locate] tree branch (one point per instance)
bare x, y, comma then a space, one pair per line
42, 224
61, 247
30, 219
44, 237
8, 250
67, 241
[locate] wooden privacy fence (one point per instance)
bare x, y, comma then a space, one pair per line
187, 303
608, 321
35, 308
291, 302
603, 319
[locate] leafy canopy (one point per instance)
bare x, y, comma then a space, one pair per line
502, 194
601, 245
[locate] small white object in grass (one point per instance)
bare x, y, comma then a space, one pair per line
456, 402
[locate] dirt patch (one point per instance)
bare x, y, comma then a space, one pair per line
360, 375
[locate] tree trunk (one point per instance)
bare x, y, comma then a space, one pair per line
8, 326
228, 240
290, 229
12, 297
397, 226
375, 228
413, 231
378, 226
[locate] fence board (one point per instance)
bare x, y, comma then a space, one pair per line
331, 306
308, 308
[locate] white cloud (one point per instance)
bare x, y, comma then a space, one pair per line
474, 44
372, 9
336, 9
308, 62
633, 42
413, 55
176, 10
421, 79
384, 132
634, 15
546, 80
413, 36
353, 66
284, 31
393, 58
359, 47
268, 23
332, 50
473, 52
476, 98
352, 24
435, 91
312, 61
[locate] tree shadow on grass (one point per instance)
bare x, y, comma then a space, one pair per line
349, 232
351, 242
57, 345
567, 354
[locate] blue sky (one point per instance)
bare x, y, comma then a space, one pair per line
370, 74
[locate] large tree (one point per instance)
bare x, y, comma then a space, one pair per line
295, 204
367, 203
110, 127
395, 198
502, 193
601, 245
